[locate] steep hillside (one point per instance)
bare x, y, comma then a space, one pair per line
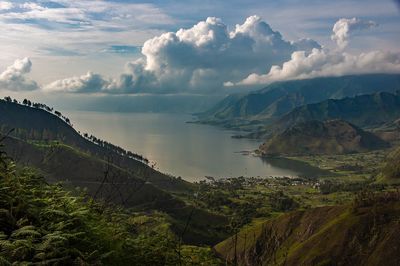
34, 124
108, 182
367, 111
316, 137
364, 233
43, 224
62, 163
279, 98
60, 154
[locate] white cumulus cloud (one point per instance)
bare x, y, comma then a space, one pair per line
322, 62
208, 57
13, 78
90, 82
344, 27
200, 58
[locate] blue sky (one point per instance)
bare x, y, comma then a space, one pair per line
70, 38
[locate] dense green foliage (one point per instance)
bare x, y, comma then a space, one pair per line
281, 202
46, 225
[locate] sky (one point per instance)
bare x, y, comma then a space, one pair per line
190, 47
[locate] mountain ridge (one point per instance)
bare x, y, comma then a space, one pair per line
249, 111
367, 111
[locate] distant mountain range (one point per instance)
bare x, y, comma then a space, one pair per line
367, 111
317, 137
252, 111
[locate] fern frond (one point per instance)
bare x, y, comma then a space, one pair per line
26, 231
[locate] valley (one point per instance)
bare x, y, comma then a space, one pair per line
314, 173
199, 133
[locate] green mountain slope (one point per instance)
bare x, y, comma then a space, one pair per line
279, 98
326, 137
63, 155
62, 163
59, 162
364, 233
366, 111
34, 124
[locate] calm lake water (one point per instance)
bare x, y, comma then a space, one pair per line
191, 151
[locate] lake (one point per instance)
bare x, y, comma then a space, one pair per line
191, 151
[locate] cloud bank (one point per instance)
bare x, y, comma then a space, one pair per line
323, 62
209, 57
14, 77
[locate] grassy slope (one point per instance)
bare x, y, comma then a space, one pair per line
365, 233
